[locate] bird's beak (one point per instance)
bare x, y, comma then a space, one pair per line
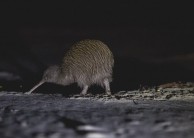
36, 86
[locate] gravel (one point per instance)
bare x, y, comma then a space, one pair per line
148, 113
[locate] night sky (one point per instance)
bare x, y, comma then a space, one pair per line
171, 15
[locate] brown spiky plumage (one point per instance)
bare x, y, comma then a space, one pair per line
87, 62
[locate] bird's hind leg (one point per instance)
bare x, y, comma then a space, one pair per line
85, 89
107, 86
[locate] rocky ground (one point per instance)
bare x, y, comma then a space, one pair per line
163, 111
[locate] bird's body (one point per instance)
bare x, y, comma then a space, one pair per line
87, 62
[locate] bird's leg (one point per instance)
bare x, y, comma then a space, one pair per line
107, 86
85, 89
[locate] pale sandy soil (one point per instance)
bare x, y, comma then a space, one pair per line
163, 111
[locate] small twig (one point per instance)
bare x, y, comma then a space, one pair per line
135, 102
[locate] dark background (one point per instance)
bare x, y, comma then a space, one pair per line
152, 41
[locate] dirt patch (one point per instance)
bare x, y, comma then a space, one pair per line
162, 111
